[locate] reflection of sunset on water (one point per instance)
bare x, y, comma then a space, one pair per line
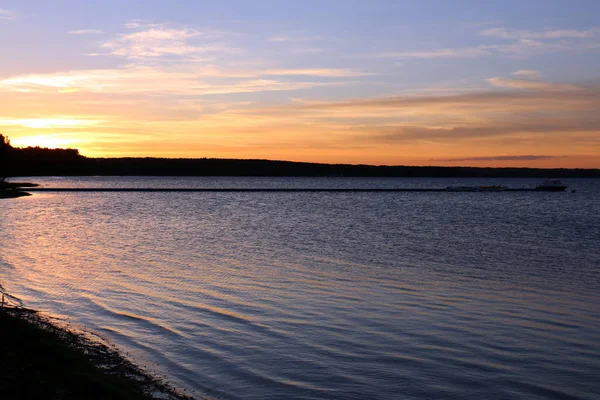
238, 292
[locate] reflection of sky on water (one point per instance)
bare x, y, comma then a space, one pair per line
324, 295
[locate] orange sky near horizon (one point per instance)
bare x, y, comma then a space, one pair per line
546, 129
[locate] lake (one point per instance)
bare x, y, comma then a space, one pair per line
323, 295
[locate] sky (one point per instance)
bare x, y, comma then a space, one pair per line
455, 82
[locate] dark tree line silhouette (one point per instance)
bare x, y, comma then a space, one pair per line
5, 149
16, 161
36, 161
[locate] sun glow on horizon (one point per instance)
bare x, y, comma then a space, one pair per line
49, 123
52, 141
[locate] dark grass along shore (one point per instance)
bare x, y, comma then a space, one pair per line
9, 190
39, 360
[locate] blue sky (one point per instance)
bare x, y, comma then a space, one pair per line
394, 82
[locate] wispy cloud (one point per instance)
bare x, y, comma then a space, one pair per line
528, 79
518, 48
290, 38
154, 41
307, 50
148, 80
7, 14
523, 47
507, 33
134, 25
297, 43
466, 52
281, 38
528, 74
49, 123
86, 32
322, 72
486, 131
527, 157
527, 84
520, 42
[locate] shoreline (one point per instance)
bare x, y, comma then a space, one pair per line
11, 190
42, 359
12, 194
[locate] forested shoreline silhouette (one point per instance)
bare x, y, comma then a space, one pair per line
37, 161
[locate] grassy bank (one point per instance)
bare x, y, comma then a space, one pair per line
11, 193
9, 190
16, 185
39, 360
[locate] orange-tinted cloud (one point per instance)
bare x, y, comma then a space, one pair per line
116, 114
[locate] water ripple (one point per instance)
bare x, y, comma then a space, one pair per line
324, 296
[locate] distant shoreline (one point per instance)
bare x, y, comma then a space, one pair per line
82, 166
36, 161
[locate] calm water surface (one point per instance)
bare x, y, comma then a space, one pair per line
323, 295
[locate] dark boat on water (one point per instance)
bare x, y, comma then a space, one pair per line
552, 185
549, 185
